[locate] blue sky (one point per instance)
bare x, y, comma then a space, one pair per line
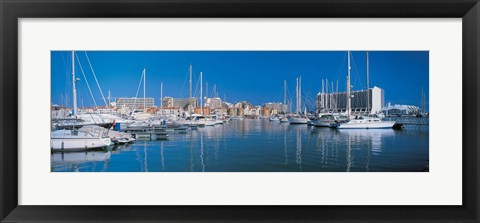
254, 76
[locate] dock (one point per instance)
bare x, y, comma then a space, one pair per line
155, 132
401, 122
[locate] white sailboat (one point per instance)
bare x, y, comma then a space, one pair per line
143, 115
296, 118
361, 122
74, 140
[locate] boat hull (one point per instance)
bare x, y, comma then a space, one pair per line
78, 144
298, 120
381, 125
323, 123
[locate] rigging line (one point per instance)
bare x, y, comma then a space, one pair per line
340, 69
186, 78
67, 77
358, 75
138, 89
64, 64
86, 81
197, 87
95, 76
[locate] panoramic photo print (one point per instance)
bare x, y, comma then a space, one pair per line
239, 111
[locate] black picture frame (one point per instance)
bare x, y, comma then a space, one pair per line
11, 11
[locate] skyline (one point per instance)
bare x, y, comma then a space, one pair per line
253, 76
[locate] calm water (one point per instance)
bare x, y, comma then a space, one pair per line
262, 146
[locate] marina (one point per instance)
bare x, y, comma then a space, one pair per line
331, 131
258, 145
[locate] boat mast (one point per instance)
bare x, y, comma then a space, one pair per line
300, 94
296, 95
423, 101
327, 96
285, 93
201, 95
368, 93
349, 101
190, 98
331, 99
144, 82
161, 98
74, 88
336, 98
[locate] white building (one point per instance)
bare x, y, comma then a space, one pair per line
400, 110
360, 103
134, 102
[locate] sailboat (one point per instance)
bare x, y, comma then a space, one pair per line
142, 115
75, 140
296, 118
202, 120
360, 122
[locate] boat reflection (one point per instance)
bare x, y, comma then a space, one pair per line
73, 160
351, 149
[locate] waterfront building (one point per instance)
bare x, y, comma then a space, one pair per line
400, 110
228, 105
279, 107
243, 104
172, 111
252, 111
206, 110
363, 101
221, 111
213, 103
179, 102
134, 102
268, 111
60, 112
236, 111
